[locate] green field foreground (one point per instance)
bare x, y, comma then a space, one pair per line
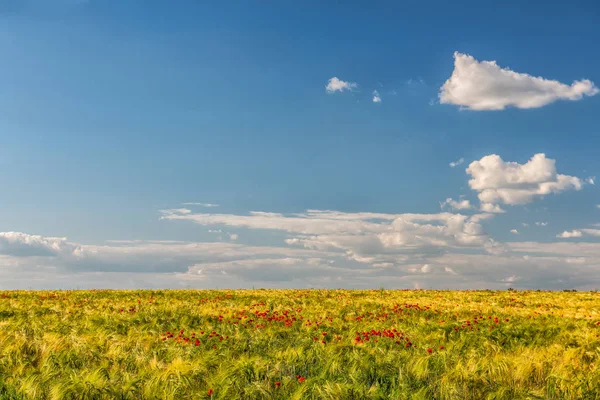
300, 344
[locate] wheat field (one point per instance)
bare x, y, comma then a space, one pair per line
299, 344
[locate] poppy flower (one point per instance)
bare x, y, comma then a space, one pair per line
430, 350
210, 392
301, 379
277, 384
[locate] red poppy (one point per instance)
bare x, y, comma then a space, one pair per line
277, 384
430, 350
301, 379
441, 347
210, 392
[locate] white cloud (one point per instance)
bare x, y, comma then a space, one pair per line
457, 162
486, 86
511, 279
579, 233
491, 208
571, 234
590, 180
501, 182
516, 232
326, 248
376, 97
541, 223
178, 264
450, 270
362, 237
336, 85
183, 210
456, 205
24, 245
525, 224
209, 205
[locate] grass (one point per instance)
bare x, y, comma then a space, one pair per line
299, 344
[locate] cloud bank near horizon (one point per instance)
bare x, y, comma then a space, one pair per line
328, 248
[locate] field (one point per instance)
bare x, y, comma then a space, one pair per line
301, 344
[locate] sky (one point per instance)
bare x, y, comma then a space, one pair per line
417, 144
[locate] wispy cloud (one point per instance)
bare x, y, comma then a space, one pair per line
462, 204
200, 204
415, 82
484, 85
457, 162
376, 97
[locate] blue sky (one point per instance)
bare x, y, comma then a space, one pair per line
113, 114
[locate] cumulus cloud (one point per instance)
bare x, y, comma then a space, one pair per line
501, 182
336, 85
485, 85
21, 244
577, 233
541, 223
456, 204
376, 97
491, 208
571, 234
457, 162
516, 232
